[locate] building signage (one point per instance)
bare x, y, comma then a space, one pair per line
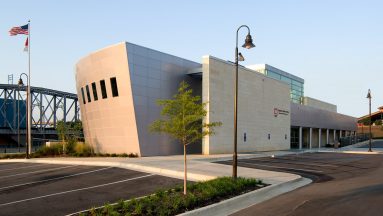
280, 112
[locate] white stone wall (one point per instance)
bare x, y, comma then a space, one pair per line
258, 97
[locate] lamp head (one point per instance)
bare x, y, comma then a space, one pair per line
240, 57
369, 94
248, 42
20, 82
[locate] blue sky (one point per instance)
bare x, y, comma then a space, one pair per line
336, 46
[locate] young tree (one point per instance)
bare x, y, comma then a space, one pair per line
68, 133
184, 120
62, 130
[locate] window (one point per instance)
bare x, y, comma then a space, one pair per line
103, 89
113, 84
95, 97
273, 75
286, 79
88, 93
83, 96
297, 83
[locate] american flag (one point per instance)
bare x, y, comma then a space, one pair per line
19, 30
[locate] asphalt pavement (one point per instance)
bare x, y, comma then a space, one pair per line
46, 189
343, 184
374, 144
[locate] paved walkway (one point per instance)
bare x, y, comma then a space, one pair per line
200, 167
358, 148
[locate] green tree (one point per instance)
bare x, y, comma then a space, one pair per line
69, 132
183, 120
62, 130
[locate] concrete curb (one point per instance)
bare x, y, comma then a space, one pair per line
243, 201
247, 156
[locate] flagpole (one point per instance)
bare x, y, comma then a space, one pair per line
29, 93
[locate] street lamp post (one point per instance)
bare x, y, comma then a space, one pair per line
18, 118
238, 57
369, 102
28, 105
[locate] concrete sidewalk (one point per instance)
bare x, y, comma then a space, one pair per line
200, 167
355, 148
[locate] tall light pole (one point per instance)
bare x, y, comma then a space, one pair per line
238, 57
18, 117
28, 105
369, 102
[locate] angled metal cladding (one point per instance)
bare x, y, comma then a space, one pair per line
120, 124
109, 122
156, 75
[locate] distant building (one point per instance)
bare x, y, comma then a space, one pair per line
118, 87
376, 123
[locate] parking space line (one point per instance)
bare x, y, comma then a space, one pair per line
58, 168
307, 170
22, 167
75, 190
62, 177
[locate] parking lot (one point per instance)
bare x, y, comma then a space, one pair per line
343, 184
46, 189
317, 166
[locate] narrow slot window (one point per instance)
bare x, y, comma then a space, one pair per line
113, 84
88, 93
94, 89
103, 89
83, 96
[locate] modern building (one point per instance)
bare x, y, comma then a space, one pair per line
118, 87
296, 83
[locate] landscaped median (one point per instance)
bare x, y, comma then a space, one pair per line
57, 150
173, 201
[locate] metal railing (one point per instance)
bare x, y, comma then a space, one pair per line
350, 140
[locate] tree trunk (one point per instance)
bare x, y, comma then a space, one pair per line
185, 168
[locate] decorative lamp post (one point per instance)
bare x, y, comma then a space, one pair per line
21, 83
238, 57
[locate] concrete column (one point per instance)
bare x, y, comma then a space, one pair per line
327, 136
300, 137
335, 141
310, 138
320, 137
340, 134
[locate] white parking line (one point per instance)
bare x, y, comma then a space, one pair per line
62, 177
75, 190
307, 170
37, 171
22, 167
